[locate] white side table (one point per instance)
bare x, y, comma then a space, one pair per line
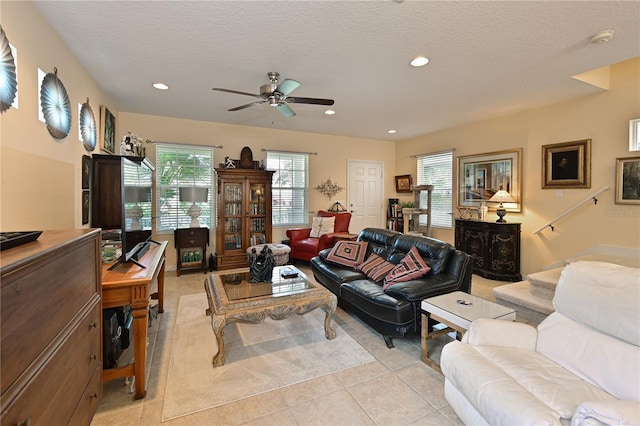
457, 310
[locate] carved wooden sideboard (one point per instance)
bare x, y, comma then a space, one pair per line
495, 248
50, 334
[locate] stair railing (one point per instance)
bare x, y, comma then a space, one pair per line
569, 210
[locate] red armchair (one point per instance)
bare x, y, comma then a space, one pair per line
304, 247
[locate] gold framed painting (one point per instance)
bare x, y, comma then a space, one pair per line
628, 180
107, 130
403, 183
567, 165
480, 176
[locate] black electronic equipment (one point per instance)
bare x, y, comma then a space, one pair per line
117, 334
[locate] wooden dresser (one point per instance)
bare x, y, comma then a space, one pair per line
50, 329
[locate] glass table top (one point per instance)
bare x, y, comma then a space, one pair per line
237, 285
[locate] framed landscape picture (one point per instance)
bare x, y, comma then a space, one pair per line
107, 130
403, 183
567, 165
628, 180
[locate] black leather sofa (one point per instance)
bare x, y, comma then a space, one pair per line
395, 311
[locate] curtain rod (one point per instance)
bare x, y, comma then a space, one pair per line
288, 152
431, 153
185, 144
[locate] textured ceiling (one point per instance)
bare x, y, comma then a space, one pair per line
488, 58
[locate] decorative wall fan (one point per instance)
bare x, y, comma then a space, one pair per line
88, 128
56, 107
8, 81
277, 95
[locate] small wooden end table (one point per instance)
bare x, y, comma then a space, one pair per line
129, 284
456, 311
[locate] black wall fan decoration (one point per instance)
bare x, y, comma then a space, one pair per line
277, 95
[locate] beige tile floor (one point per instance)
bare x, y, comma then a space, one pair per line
396, 389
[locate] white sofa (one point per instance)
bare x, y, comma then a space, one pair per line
580, 366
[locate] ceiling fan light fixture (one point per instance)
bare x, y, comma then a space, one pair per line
273, 101
330, 112
419, 61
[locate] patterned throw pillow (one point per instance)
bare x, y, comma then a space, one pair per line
348, 253
376, 268
410, 267
321, 226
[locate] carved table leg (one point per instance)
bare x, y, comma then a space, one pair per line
330, 308
217, 323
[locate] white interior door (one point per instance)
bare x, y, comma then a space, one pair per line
365, 195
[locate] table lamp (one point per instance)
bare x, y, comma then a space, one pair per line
501, 196
194, 195
136, 194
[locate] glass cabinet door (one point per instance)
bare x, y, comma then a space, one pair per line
257, 212
233, 216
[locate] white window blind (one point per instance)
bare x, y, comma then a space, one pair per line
437, 170
182, 167
289, 188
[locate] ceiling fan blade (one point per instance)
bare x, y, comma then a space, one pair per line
314, 101
236, 92
246, 106
285, 110
287, 86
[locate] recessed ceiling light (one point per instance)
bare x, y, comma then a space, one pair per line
419, 61
392, 131
329, 112
160, 86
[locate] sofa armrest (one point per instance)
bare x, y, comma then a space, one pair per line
296, 234
607, 413
493, 332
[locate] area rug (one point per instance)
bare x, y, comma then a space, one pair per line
259, 357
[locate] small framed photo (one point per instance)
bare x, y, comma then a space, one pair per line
85, 207
403, 183
628, 180
107, 130
86, 171
567, 165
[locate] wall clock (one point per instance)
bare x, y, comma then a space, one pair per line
56, 107
8, 81
88, 128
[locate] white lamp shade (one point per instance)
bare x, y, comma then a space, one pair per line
502, 196
194, 194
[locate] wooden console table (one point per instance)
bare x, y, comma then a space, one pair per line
129, 284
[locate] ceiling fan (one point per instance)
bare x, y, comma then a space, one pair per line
277, 95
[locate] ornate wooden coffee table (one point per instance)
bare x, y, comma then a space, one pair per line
232, 298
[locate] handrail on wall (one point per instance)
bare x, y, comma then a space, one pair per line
566, 212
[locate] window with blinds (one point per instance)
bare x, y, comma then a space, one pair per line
289, 188
179, 166
437, 170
